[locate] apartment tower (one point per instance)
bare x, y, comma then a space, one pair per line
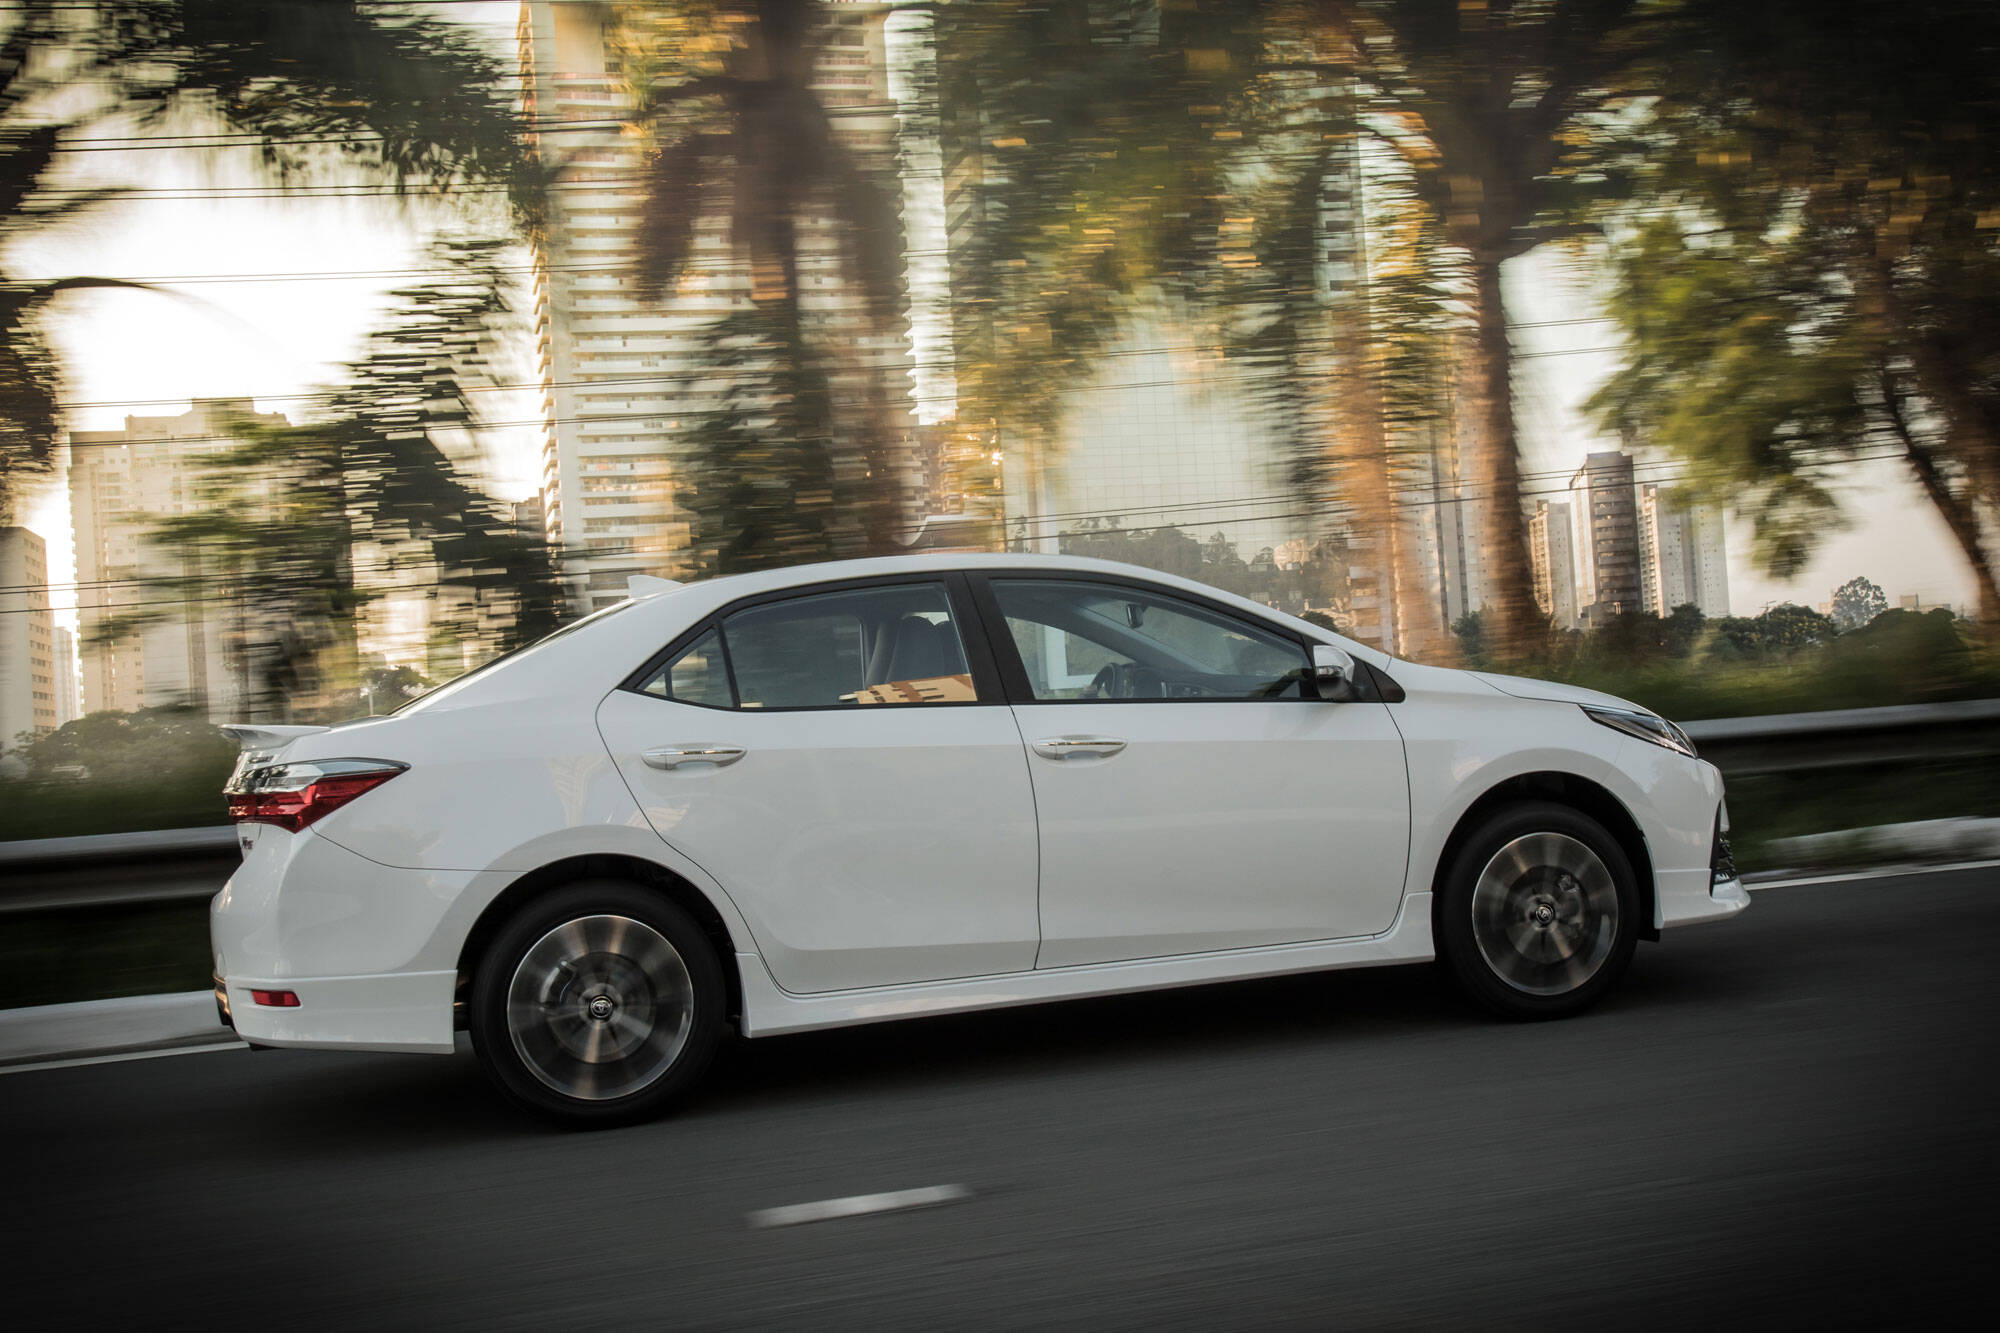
1682, 558
1551, 548
29, 689
623, 379
1605, 512
120, 483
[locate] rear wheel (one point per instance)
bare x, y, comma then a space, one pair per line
600, 1003
1539, 912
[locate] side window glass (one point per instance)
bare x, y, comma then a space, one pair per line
1102, 641
869, 646
697, 676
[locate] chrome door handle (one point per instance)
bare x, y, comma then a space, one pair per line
1062, 747
673, 756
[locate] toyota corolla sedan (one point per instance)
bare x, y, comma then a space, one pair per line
882, 789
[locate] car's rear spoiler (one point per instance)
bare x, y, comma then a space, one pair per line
266, 736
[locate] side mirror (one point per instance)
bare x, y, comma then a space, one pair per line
1332, 670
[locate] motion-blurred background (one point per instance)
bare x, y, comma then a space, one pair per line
1645, 343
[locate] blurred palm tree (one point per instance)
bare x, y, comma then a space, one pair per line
1335, 292
376, 88
1808, 274
302, 528
784, 469
1498, 108
1089, 146
1124, 159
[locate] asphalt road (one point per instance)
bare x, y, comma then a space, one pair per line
1784, 1121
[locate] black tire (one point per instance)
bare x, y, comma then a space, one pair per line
618, 998
1555, 923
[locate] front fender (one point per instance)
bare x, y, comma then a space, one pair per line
1462, 746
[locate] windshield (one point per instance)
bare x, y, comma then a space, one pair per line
457, 683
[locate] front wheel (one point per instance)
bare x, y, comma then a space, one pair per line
1539, 912
598, 1004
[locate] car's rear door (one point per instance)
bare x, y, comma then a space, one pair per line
1192, 795
841, 760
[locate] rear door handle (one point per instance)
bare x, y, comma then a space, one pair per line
1064, 747
673, 756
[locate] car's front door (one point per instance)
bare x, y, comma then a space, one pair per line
851, 778
1192, 794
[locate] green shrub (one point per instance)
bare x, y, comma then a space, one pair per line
117, 773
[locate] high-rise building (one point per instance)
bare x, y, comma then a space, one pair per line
1165, 434
28, 688
69, 692
1605, 513
120, 483
1682, 557
626, 380
1551, 550
1452, 518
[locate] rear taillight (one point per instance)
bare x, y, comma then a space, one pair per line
295, 795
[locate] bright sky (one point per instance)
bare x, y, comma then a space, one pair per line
232, 330
266, 338
1894, 535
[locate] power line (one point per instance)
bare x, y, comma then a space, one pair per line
610, 383
220, 139
170, 579
1016, 521
694, 265
606, 125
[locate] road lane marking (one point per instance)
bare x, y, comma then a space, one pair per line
858, 1205
1880, 872
119, 1057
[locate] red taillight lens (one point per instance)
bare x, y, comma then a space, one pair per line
275, 999
292, 796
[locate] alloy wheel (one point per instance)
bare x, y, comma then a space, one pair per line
600, 1007
1545, 913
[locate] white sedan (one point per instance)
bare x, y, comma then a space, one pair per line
882, 789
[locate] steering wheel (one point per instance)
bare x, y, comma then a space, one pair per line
1126, 680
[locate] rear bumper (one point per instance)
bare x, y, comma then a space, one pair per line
365, 947
403, 1011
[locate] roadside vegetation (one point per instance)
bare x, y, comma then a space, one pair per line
1790, 659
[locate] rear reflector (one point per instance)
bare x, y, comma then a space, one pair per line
275, 999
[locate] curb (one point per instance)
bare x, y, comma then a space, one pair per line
90, 1028
1962, 838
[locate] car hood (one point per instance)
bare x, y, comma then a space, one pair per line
1549, 691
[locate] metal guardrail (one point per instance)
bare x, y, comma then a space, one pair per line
1845, 737
117, 869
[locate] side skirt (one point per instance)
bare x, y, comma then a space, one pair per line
769, 1010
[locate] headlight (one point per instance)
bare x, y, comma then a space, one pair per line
1646, 726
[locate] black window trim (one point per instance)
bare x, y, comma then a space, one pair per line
687, 642
1014, 673
979, 654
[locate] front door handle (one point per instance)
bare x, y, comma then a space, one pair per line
1064, 747
673, 756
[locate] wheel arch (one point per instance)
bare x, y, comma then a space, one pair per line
1578, 793
599, 865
